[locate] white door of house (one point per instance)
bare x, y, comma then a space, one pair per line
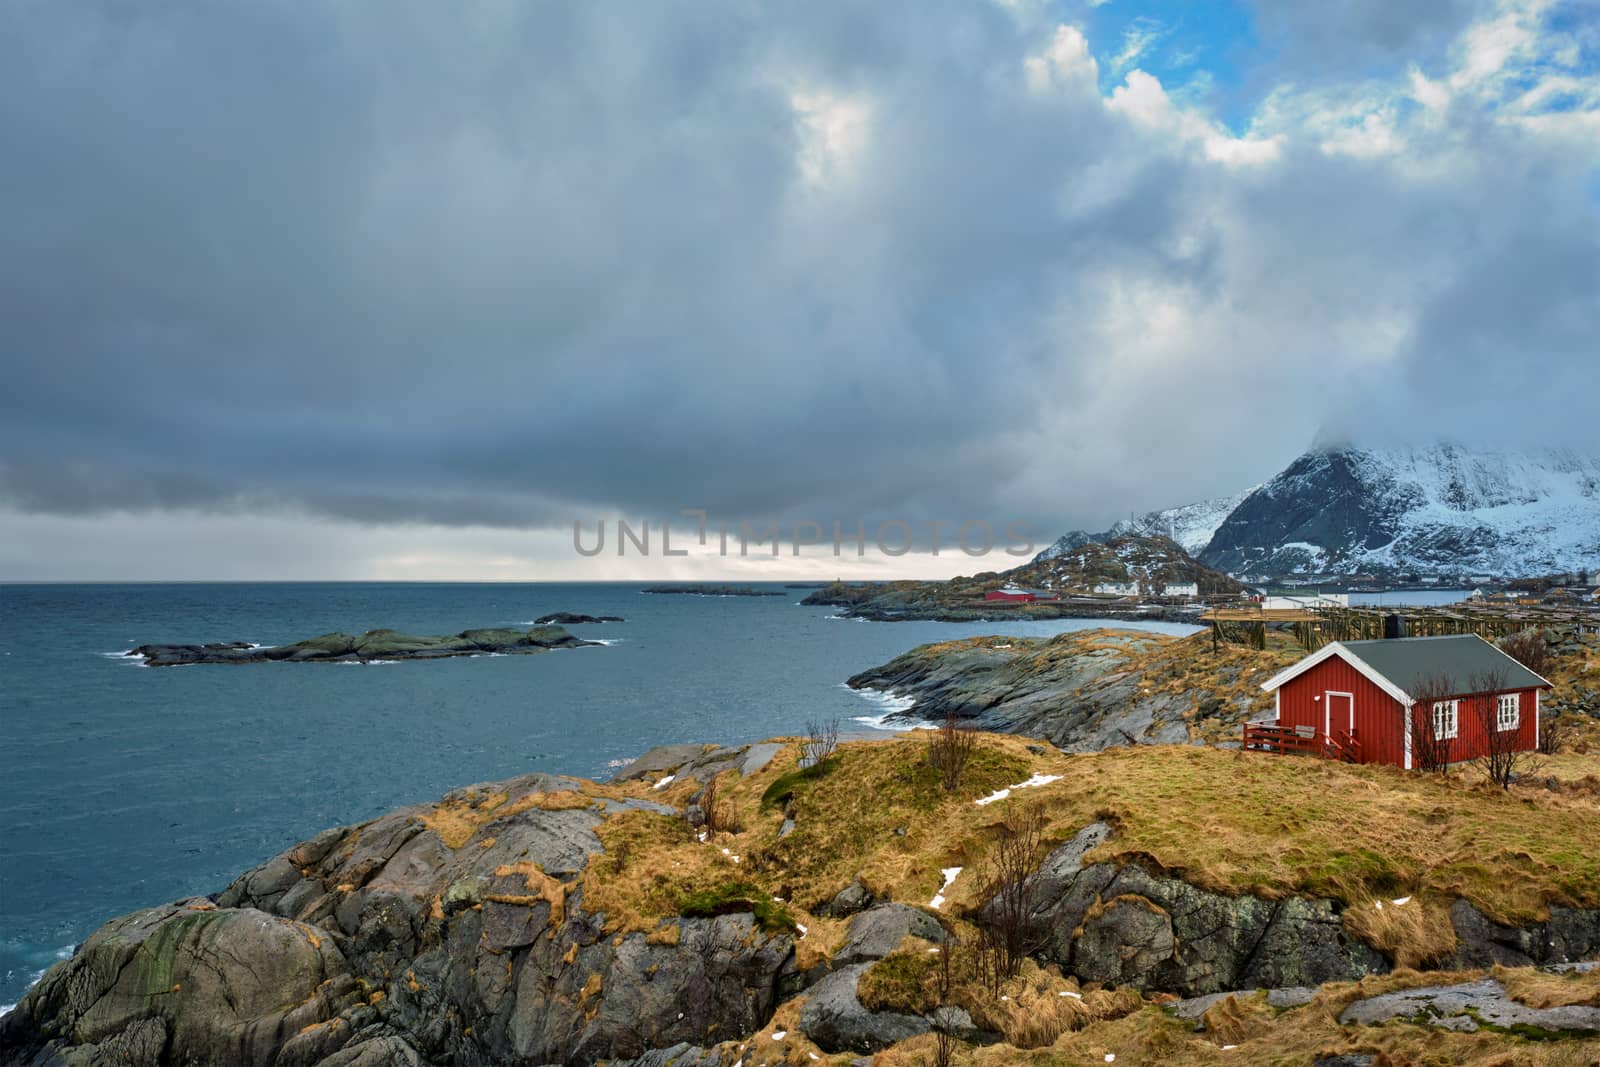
1338, 712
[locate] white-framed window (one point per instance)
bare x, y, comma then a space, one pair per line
1508, 711
1444, 719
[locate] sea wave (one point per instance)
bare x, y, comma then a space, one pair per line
33, 978
895, 715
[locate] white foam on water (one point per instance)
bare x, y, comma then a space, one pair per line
895, 707
607, 641
33, 979
621, 762
351, 662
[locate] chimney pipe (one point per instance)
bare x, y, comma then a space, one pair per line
1394, 626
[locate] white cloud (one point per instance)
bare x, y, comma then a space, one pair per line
1064, 62
835, 128
1142, 99
1137, 39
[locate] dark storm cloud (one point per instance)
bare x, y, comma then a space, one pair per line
502, 264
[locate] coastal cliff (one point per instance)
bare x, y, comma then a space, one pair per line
719, 905
1087, 689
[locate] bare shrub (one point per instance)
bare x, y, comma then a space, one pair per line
821, 739
1501, 762
1007, 930
1529, 648
1431, 746
720, 816
950, 749
944, 1040
1556, 732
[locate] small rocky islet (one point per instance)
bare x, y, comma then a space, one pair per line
569, 618
372, 646
711, 590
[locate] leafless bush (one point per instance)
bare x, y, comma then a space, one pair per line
950, 749
1529, 648
945, 1042
821, 739
1502, 761
1007, 931
1555, 731
720, 816
1432, 740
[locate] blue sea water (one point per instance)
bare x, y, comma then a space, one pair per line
125, 786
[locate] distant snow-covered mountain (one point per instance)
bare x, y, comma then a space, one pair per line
1445, 509
1191, 525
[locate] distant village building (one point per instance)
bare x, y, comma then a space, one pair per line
1117, 588
1180, 589
1361, 697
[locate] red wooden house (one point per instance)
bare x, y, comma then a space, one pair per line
1379, 701
1011, 594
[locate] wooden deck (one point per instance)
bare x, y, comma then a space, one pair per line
1301, 740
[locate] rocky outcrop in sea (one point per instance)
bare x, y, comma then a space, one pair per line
365, 648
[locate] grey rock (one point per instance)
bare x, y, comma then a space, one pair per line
757, 757
1159, 933
849, 900
658, 761
1084, 701
387, 1051
1192, 1008
876, 932
682, 1054
477, 962
193, 982
834, 1018
786, 829
1291, 996
1468, 1006
1569, 934
1346, 1059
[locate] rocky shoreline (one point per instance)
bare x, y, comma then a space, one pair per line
485, 928
935, 602
1084, 690
370, 647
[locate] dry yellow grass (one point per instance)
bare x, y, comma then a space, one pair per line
1538, 989
1417, 933
1246, 1031
458, 821
540, 885
1230, 821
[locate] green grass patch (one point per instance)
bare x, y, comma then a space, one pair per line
782, 789
735, 897
903, 982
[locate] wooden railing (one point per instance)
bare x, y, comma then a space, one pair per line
1302, 740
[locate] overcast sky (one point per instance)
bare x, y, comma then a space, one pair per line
402, 289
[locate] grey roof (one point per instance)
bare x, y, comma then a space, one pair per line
1463, 659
